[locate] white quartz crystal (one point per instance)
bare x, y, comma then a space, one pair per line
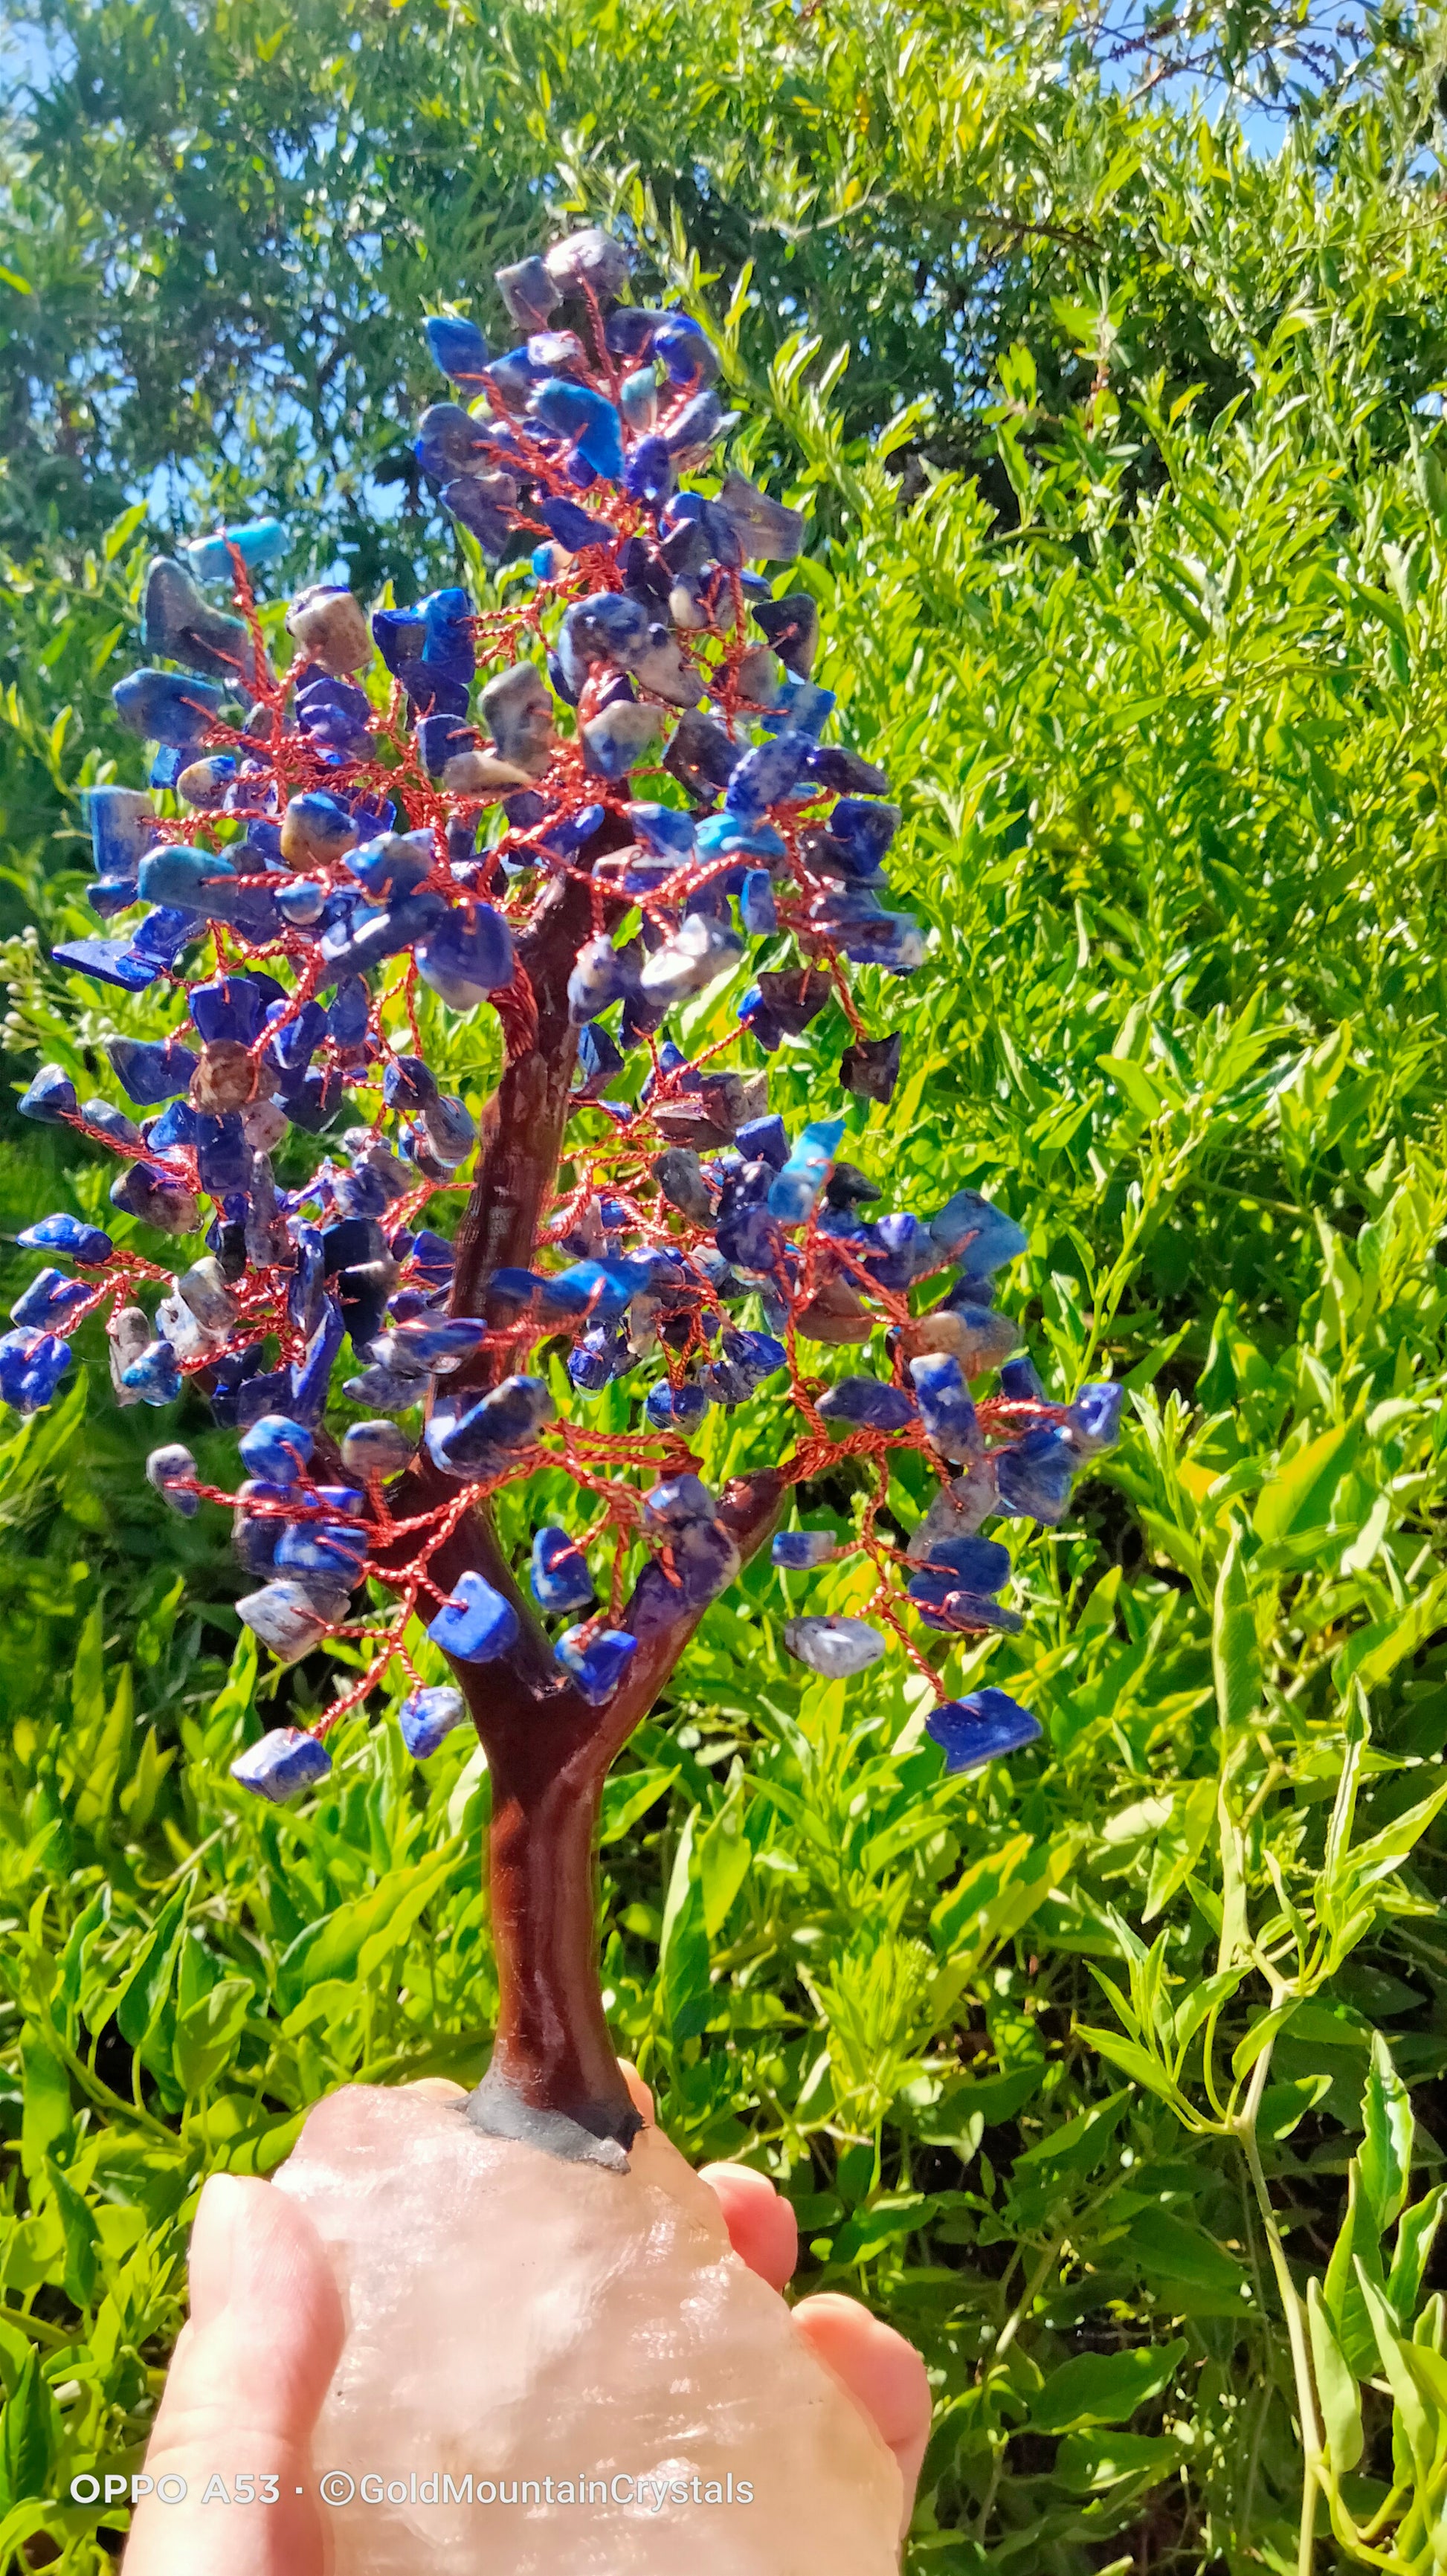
520, 2319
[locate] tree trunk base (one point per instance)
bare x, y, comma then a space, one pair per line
595, 2133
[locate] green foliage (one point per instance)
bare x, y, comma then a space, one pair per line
1096, 2075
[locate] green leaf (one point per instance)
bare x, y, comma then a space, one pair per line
207, 2031
80, 2239
1385, 2157
1299, 1495
1356, 2245
1285, 2106
1416, 2233
30, 2439
1336, 2389
1104, 2387
140, 2000
47, 2125
1086, 2463
1169, 2248
1235, 1655
867, 2231
1417, 2413
684, 1995
627, 1795
1261, 2035
724, 1859
1179, 1844
1132, 2060
1079, 2144
1145, 1096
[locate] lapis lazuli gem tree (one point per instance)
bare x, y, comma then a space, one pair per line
316, 856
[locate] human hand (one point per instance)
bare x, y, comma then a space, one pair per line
253, 2365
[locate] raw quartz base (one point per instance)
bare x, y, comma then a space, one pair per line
517, 2317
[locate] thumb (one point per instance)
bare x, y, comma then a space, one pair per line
245, 2389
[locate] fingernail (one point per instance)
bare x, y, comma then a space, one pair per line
213, 2247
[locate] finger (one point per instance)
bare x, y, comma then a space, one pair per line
438, 2088
639, 2094
763, 2230
882, 2372
245, 2388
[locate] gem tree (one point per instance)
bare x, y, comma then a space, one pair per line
581, 879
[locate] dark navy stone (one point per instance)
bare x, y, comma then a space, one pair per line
50, 1098
868, 1403
475, 1624
407, 1084
571, 525
585, 417
428, 1715
107, 961
223, 1156
310, 1379
688, 356
228, 1375
596, 1661
458, 348
296, 1039
348, 1012
700, 755
1034, 1474
168, 707
980, 1728
151, 1072
159, 939
649, 475
764, 1140
90, 1245
267, 1392
629, 331
559, 1573
229, 1010
969, 1228
751, 1240
697, 425
50, 1297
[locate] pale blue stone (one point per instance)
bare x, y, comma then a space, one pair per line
794, 1194
286, 1761
835, 1647
257, 541
428, 1716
